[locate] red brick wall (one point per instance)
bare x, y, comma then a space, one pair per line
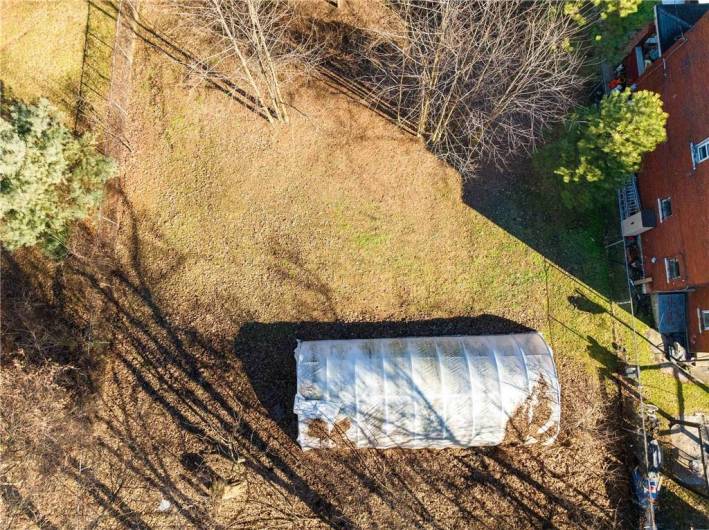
698, 339
682, 80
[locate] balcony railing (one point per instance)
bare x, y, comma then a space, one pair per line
629, 199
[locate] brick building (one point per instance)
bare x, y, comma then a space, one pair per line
665, 210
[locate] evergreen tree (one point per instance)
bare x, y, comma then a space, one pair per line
49, 178
604, 145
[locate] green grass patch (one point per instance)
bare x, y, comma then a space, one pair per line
368, 240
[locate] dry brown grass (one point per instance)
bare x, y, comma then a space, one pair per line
31, 31
183, 412
237, 238
320, 211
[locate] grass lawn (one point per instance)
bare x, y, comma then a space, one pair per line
237, 239
41, 45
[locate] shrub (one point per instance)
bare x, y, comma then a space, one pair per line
602, 9
49, 178
611, 35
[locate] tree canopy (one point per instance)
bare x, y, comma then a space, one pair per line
579, 9
604, 144
49, 177
610, 23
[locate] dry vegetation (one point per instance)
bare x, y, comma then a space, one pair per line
30, 33
480, 81
240, 238
232, 239
250, 43
187, 416
477, 80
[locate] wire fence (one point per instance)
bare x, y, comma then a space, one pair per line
104, 85
103, 107
640, 415
104, 91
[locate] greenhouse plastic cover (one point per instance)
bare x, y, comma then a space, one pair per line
424, 392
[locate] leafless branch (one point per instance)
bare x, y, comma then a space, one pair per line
479, 79
252, 42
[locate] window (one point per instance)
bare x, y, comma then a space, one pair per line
672, 268
664, 205
700, 152
704, 321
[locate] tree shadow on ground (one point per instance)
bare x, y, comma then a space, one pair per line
513, 198
683, 515
182, 400
585, 304
186, 58
13, 499
184, 408
523, 203
36, 327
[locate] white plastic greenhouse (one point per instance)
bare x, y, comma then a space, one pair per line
426, 391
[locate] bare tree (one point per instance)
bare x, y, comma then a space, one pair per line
252, 42
476, 79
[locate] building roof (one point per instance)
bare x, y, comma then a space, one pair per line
673, 20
